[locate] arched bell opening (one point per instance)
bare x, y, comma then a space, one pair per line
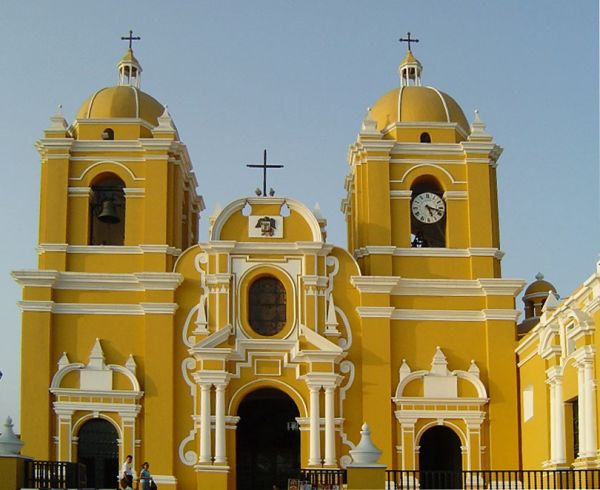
107, 211
440, 458
427, 213
97, 448
267, 440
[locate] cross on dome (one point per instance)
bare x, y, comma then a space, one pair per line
129, 67
402, 40
132, 38
410, 68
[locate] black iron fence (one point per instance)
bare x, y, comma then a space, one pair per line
329, 479
54, 474
493, 479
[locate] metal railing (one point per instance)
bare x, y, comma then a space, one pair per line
322, 478
493, 479
54, 474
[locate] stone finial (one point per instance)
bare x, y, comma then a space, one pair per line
63, 362
165, 121
131, 364
331, 324
439, 364
96, 359
474, 368
10, 444
551, 302
478, 132
58, 124
365, 453
369, 125
404, 370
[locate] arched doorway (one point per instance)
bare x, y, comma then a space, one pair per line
440, 461
267, 440
97, 449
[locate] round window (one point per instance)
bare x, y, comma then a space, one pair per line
267, 306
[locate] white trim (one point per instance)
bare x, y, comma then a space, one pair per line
399, 286
79, 191
92, 281
455, 315
433, 165
456, 195
97, 308
400, 194
108, 249
238, 205
106, 162
375, 311
159, 308
428, 251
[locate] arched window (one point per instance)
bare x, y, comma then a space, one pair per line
107, 211
108, 134
425, 138
428, 214
267, 306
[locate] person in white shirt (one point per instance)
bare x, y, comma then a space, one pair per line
127, 472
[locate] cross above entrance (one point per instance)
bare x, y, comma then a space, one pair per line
264, 166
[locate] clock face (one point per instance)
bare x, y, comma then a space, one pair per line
428, 207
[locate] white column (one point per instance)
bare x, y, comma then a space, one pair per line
314, 457
559, 420
589, 425
330, 459
205, 449
581, 409
220, 447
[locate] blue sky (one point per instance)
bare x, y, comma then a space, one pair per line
296, 78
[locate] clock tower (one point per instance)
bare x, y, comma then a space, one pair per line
421, 191
422, 222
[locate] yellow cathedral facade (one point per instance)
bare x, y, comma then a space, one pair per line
237, 361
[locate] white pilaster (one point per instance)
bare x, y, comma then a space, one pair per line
581, 409
220, 447
314, 457
559, 454
330, 459
205, 445
590, 410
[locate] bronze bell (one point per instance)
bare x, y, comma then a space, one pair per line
108, 213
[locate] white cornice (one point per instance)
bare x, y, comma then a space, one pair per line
88, 281
428, 149
428, 252
258, 248
108, 249
375, 311
35, 278
97, 308
159, 308
456, 195
455, 315
400, 194
375, 284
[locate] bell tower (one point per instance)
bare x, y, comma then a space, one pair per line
421, 188
422, 222
118, 192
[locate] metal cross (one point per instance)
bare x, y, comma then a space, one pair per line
264, 166
408, 40
131, 38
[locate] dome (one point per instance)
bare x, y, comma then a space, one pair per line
539, 287
121, 101
417, 104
